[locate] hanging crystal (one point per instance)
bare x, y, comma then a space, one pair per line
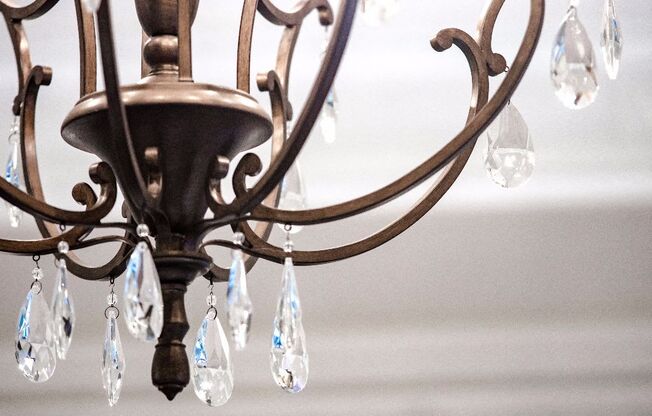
509, 157
212, 373
113, 361
238, 304
611, 39
328, 117
378, 12
12, 170
573, 64
289, 357
63, 311
293, 194
35, 351
142, 295
92, 5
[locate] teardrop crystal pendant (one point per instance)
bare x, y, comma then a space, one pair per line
293, 194
289, 357
509, 157
238, 303
63, 311
142, 296
328, 120
378, 12
611, 39
113, 361
92, 5
212, 373
12, 170
573, 64
35, 350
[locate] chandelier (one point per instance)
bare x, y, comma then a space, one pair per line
168, 144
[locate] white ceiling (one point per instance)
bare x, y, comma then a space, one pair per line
535, 301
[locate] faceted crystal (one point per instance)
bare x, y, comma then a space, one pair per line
35, 350
377, 12
328, 120
142, 296
92, 5
63, 312
289, 357
238, 304
113, 361
212, 373
12, 172
293, 194
509, 158
573, 64
611, 39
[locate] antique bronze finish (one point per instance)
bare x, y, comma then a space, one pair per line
167, 142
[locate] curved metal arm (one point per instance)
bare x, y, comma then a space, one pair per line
87, 50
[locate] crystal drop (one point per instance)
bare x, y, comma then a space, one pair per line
238, 304
37, 273
142, 296
377, 12
573, 64
293, 195
113, 361
12, 173
63, 247
142, 230
35, 350
611, 39
63, 312
328, 119
289, 357
92, 5
212, 373
509, 157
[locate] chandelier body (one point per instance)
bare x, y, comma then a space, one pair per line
168, 142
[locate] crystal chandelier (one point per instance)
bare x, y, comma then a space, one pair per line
168, 142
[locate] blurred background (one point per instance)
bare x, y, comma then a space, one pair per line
530, 301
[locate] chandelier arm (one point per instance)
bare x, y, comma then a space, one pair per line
496, 62
279, 166
87, 50
431, 166
281, 18
119, 124
35, 9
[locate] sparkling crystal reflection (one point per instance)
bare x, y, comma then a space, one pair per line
293, 194
12, 171
142, 296
113, 361
212, 373
611, 40
289, 357
509, 157
35, 350
63, 312
238, 303
573, 64
378, 12
328, 119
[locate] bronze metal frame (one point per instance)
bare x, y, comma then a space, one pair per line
145, 166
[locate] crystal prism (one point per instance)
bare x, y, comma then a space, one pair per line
328, 119
293, 194
92, 5
142, 296
289, 357
12, 171
378, 12
63, 312
573, 64
35, 351
212, 373
509, 157
238, 304
611, 39
113, 361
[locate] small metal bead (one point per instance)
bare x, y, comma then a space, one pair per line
37, 273
142, 230
111, 299
211, 300
238, 238
63, 247
288, 246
